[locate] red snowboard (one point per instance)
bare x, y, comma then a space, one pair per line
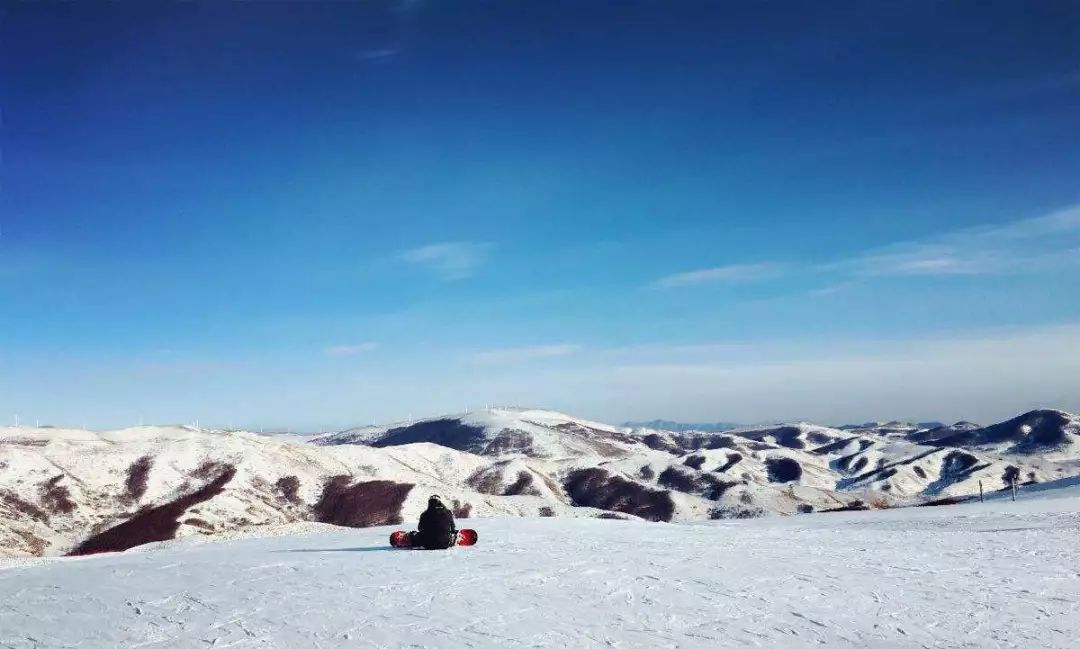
400, 538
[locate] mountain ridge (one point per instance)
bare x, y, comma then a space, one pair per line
682, 427
70, 490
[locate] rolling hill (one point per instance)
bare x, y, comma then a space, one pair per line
82, 492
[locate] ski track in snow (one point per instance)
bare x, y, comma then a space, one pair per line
995, 575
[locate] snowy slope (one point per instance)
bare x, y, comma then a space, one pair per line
994, 575
1062, 488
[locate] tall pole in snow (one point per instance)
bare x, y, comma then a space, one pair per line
981, 499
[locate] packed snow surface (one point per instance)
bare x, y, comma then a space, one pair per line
999, 574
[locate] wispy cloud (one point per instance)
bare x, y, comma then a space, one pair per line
1040, 243
379, 54
1055, 223
1044, 243
452, 260
351, 350
924, 260
831, 289
734, 273
522, 354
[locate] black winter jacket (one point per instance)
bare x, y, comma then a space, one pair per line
436, 530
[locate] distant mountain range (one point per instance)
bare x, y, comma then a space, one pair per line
77, 491
680, 427
721, 426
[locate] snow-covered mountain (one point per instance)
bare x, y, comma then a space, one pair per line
1044, 432
498, 432
76, 491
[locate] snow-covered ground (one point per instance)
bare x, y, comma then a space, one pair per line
999, 574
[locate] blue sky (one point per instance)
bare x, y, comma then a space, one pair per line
321, 214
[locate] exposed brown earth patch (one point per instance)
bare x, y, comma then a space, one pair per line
55, 497
735, 511
695, 461
510, 440
678, 480
705, 484
732, 460
28, 509
452, 433
607, 449
24, 442
523, 486
208, 469
153, 524
689, 442
951, 500
288, 487
462, 510
658, 443
137, 476
602, 490
363, 504
783, 469
487, 481
31, 544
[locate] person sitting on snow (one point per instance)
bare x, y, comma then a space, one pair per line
436, 530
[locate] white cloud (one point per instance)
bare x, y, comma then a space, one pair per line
1040, 243
351, 350
524, 354
926, 260
1062, 221
378, 54
453, 260
721, 274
